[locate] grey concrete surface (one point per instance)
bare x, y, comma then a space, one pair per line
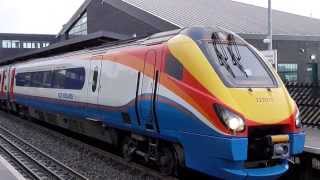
8, 172
312, 144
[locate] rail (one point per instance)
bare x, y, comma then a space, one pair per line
32, 161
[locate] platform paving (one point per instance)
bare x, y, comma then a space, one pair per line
8, 172
312, 144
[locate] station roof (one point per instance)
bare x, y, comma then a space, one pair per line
79, 43
239, 17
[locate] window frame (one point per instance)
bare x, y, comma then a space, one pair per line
173, 67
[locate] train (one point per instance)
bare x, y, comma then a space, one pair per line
200, 98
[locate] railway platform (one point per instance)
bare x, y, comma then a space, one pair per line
312, 144
8, 172
309, 166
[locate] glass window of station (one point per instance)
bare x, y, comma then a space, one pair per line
288, 72
8, 44
80, 27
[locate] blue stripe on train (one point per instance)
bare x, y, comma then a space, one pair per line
172, 117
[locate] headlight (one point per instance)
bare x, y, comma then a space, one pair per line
230, 119
298, 119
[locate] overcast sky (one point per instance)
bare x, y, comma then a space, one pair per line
48, 16
36, 16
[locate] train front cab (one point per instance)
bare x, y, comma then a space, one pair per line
212, 144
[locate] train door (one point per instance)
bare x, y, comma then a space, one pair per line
6, 82
148, 89
2, 92
94, 86
11, 81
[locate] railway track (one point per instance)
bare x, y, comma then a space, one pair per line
34, 163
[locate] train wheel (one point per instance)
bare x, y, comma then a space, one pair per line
128, 148
168, 163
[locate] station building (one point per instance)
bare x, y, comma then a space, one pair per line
296, 38
13, 44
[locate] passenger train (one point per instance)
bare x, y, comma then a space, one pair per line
198, 98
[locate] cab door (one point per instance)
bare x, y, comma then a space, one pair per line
12, 74
93, 90
3, 76
147, 88
6, 82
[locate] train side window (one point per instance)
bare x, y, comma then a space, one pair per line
36, 79
72, 78
20, 79
95, 79
75, 78
173, 67
27, 78
59, 79
23, 79
47, 79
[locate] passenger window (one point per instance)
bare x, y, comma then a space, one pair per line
47, 79
69, 78
27, 79
36, 79
20, 79
95, 79
173, 67
75, 78
59, 79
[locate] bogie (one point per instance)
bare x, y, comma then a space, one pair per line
153, 151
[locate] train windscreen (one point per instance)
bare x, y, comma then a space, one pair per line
237, 64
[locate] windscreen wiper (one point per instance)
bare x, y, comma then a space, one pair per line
235, 57
223, 57
219, 54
